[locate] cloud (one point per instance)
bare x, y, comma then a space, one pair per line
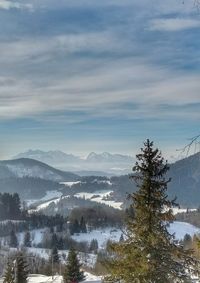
7, 5
131, 89
173, 24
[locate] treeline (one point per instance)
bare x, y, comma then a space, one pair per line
10, 207
28, 187
192, 217
98, 216
32, 221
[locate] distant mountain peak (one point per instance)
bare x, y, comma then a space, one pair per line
104, 161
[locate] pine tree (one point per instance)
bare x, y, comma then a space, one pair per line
13, 239
72, 271
83, 228
121, 239
94, 245
149, 253
9, 274
27, 239
21, 269
54, 255
54, 240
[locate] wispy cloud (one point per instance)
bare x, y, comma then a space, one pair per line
173, 24
6, 4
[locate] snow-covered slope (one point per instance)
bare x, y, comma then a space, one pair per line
100, 197
32, 168
38, 278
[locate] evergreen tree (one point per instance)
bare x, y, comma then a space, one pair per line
13, 239
83, 228
9, 274
94, 245
60, 243
21, 269
27, 239
149, 253
72, 271
54, 240
54, 255
121, 239
187, 241
74, 227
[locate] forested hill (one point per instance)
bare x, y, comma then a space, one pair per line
32, 179
25, 167
185, 183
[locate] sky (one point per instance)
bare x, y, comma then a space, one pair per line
88, 75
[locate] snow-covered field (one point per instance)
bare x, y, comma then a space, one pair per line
181, 210
70, 184
49, 196
103, 235
38, 278
100, 197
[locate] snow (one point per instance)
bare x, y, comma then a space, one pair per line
36, 236
181, 210
182, 228
49, 196
100, 197
70, 184
108, 182
86, 259
38, 278
101, 235
20, 170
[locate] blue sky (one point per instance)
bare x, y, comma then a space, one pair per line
91, 75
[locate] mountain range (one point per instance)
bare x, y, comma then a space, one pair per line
33, 179
107, 162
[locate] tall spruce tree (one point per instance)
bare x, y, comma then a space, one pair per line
149, 253
21, 269
27, 239
72, 271
9, 273
54, 255
13, 239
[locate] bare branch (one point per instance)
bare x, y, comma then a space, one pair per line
193, 142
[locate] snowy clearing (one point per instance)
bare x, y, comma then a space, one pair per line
103, 235
37, 278
100, 197
49, 196
70, 184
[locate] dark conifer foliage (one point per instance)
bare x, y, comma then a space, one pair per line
9, 273
21, 269
83, 228
27, 239
72, 271
149, 253
13, 240
54, 255
10, 207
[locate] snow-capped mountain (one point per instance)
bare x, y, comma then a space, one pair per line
103, 162
108, 157
53, 157
110, 163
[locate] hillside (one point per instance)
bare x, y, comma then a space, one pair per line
31, 178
